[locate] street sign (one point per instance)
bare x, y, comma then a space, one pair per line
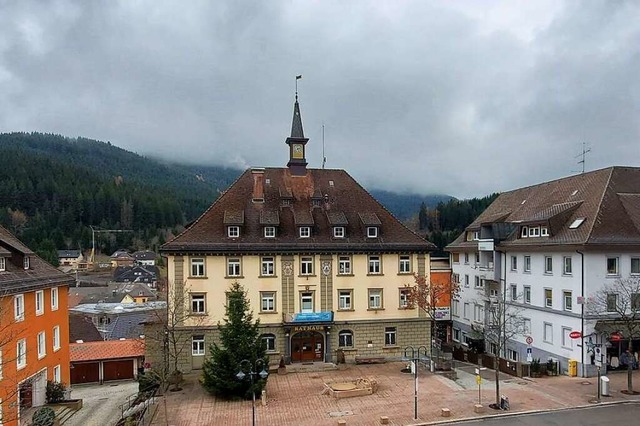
529, 340
478, 379
575, 335
615, 336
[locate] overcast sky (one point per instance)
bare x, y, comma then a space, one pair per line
458, 97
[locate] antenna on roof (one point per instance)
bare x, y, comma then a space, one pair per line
324, 159
582, 155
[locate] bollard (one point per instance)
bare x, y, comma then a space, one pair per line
384, 420
445, 412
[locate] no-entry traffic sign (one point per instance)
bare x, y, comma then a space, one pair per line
529, 340
575, 335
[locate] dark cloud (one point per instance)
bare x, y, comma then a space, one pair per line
449, 97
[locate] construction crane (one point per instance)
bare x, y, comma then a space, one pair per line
92, 258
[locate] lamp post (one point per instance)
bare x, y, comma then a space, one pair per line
415, 357
253, 371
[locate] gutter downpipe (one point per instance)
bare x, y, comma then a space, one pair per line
582, 361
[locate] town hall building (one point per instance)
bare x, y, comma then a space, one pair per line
325, 266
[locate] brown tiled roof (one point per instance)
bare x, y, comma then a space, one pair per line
106, 349
82, 328
337, 218
234, 217
16, 279
608, 200
369, 219
269, 217
208, 234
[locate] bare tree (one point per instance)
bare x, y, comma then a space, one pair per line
168, 330
503, 322
10, 329
430, 295
617, 303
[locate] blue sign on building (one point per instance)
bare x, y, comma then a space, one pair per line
313, 317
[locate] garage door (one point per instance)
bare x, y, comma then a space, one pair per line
87, 372
118, 370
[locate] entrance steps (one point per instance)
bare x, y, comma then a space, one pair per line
306, 367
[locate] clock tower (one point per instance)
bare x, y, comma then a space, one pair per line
297, 144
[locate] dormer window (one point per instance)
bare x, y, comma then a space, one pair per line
285, 202
534, 231
317, 202
26, 262
544, 231
3, 264
269, 231
524, 233
305, 232
372, 231
476, 235
338, 231
233, 231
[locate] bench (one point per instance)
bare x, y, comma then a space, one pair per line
361, 359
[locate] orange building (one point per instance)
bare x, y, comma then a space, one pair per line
34, 328
441, 278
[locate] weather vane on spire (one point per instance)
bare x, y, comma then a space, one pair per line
298, 77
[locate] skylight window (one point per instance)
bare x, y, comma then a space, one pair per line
574, 192
576, 223
523, 201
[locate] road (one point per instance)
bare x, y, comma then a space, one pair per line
598, 415
101, 403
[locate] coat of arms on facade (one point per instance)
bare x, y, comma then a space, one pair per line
287, 268
326, 267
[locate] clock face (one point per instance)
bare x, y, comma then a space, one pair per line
297, 151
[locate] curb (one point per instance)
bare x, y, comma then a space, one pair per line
523, 413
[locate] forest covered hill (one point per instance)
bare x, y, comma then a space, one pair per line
53, 189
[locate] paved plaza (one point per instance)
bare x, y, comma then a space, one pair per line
297, 399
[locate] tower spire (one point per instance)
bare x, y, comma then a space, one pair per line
296, 125
297, 142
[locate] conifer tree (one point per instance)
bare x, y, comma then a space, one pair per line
239, 340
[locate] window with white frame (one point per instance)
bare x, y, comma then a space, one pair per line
479, 282
234, 267
466, 280
267, 301
345, 339
198, 304
456, 335
306, 302
56, 338
344, 265
544, 231
42, 345
3, 264
269, 231
306, 265
39, 302
465, 310
635, 266
197, 345
512, 355
267, 268
527, 264
514, 263
465, 339
524, 232
526, 325
375, 265
548, 265
455, 308
548, 332
612, 265
26, 262
56, 374
478, 313
372, 231
567, 300
494, 292
405, 295
375, 298
455, 277
269, 341
526, 294
18, 307
233, 231
21, 353
534, 231
305, 232
466, 258
338, 231
567, 267
612, 302
345, 298
567, 341
514, 292
390, 336
197, 267
54, 298
405, 264
548, 298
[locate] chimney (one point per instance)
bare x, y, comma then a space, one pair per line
258, 185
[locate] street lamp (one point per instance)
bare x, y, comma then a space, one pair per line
253, 371
415, 357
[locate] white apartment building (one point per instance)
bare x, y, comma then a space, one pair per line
545, 249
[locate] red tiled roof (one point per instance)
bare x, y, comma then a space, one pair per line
107, 349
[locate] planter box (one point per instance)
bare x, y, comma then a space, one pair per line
72, 404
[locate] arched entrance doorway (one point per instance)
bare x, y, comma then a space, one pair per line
307, 346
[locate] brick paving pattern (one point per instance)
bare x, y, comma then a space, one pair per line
296, 399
